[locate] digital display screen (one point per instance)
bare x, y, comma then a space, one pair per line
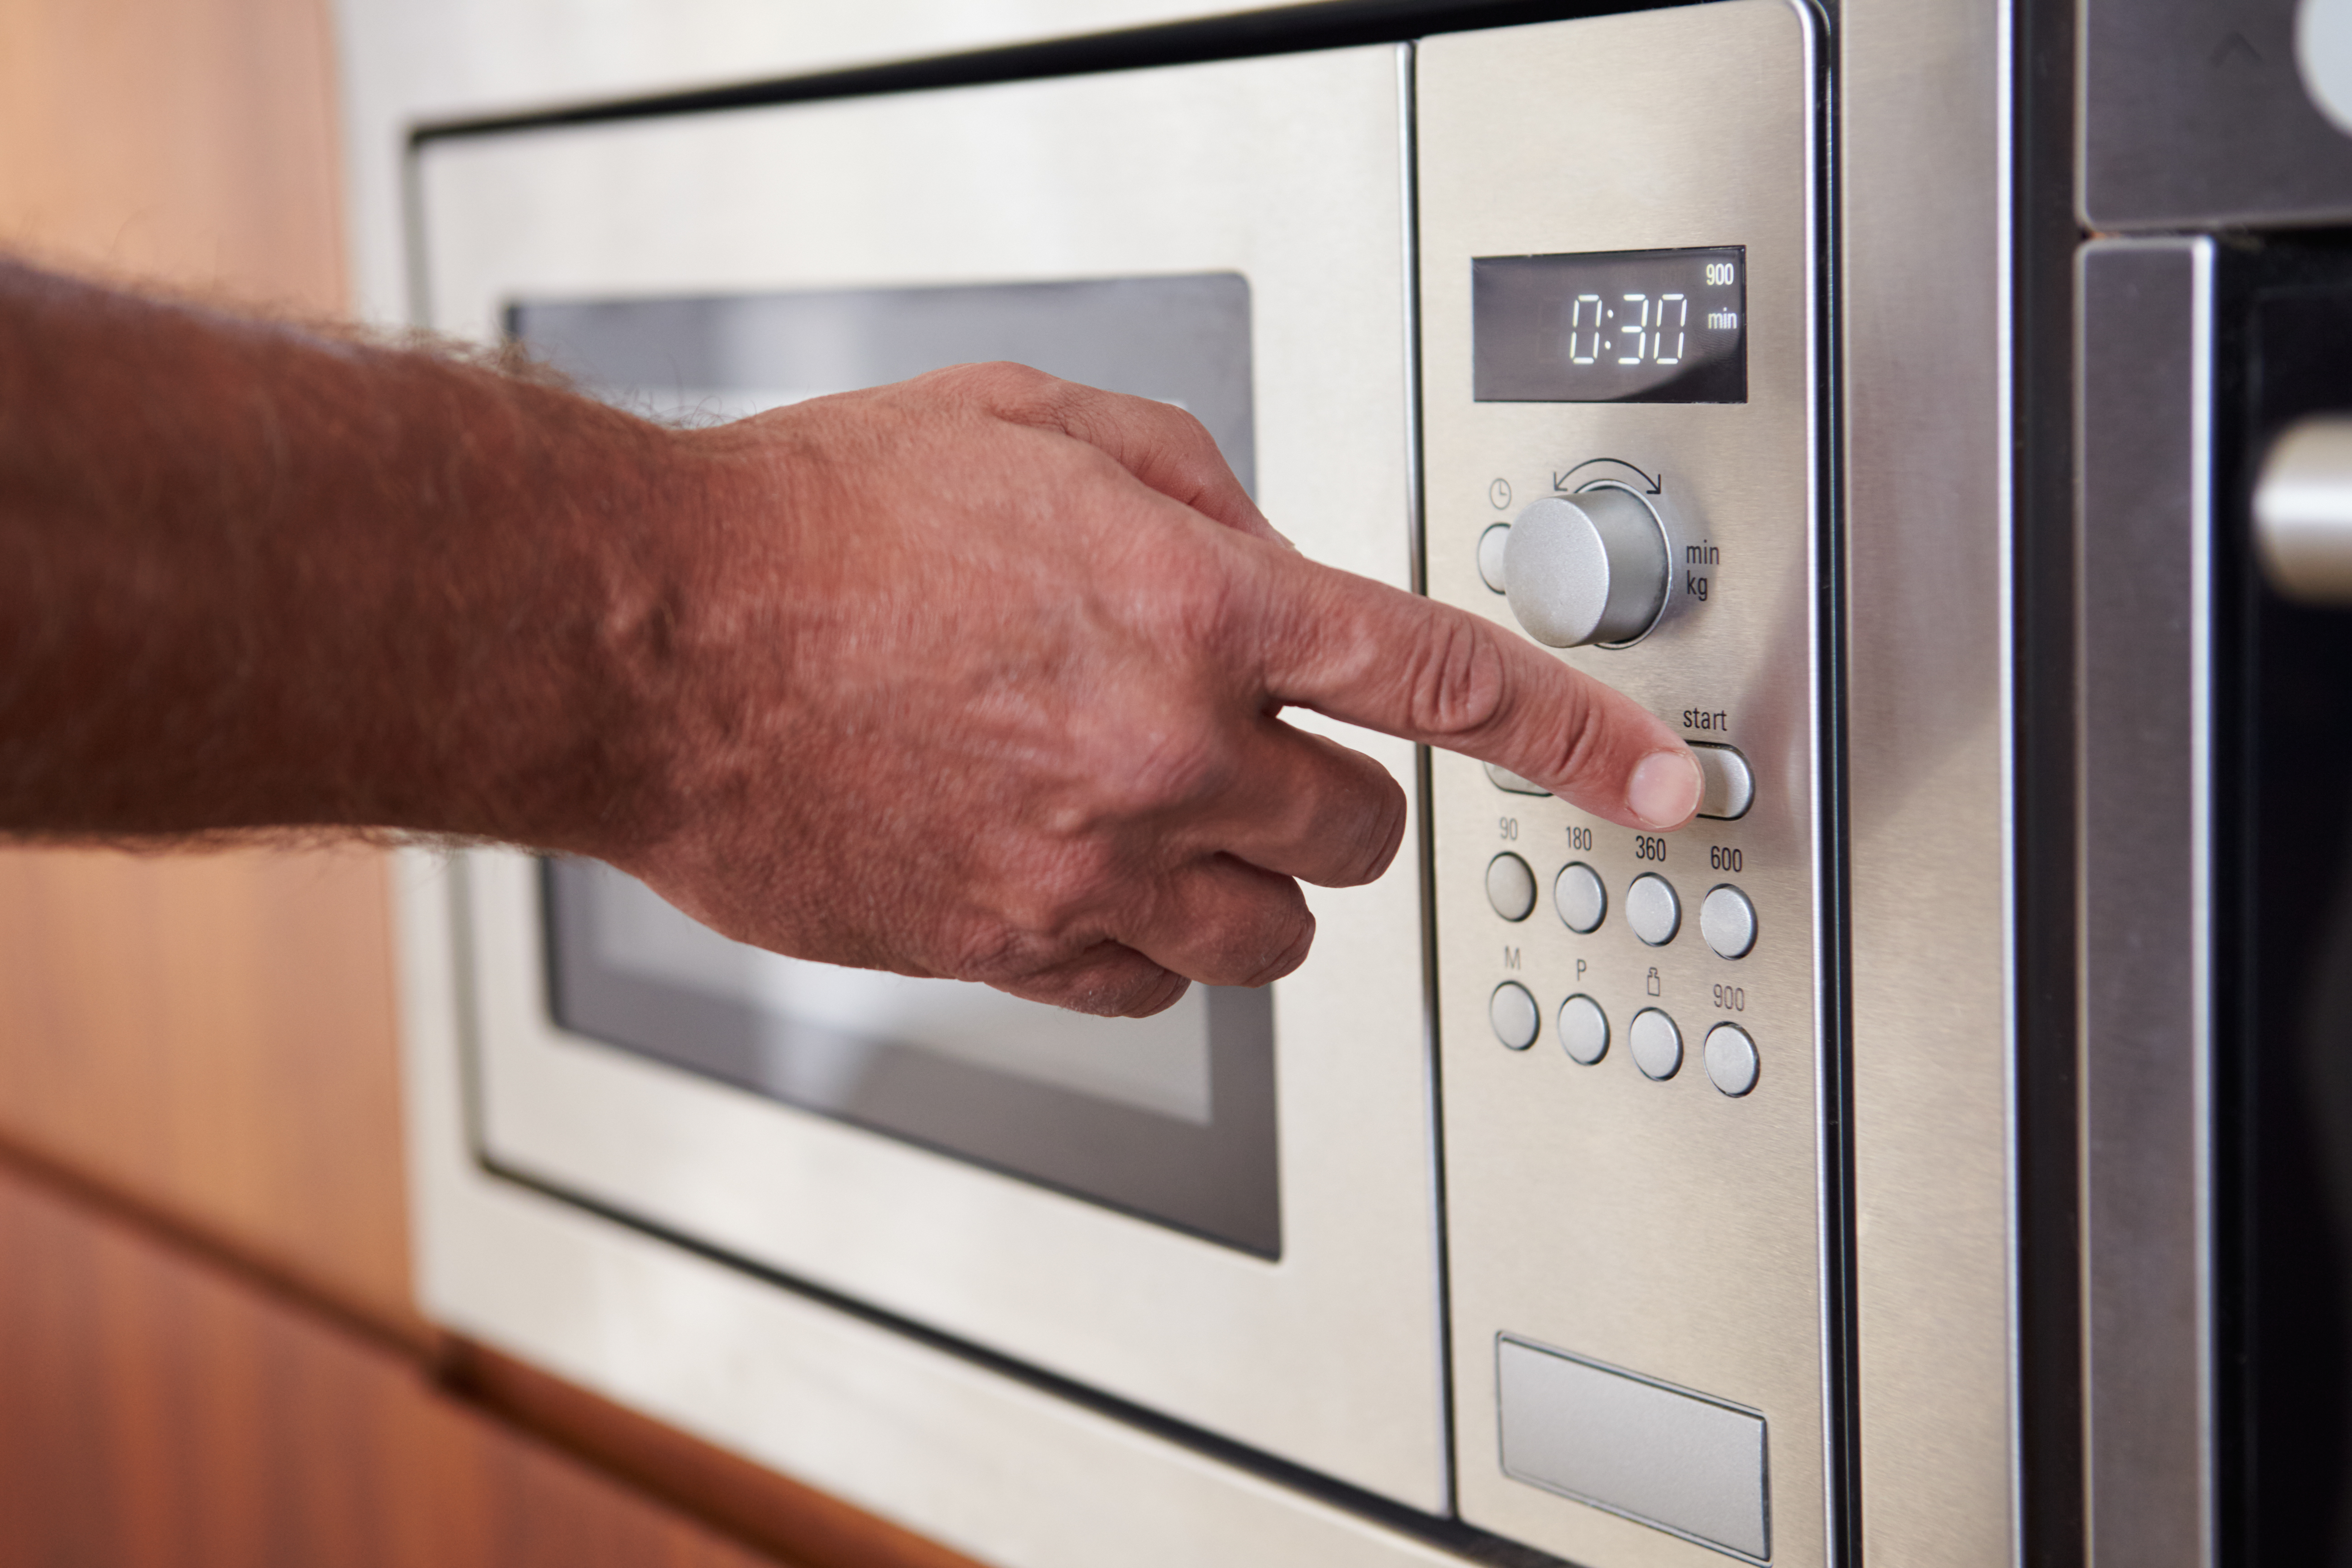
1621, 326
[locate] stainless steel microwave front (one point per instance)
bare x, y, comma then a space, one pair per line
1619, 286
1271, 1275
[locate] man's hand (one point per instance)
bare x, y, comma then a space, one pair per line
980, 676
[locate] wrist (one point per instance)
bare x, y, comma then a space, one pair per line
687, 536
545, 643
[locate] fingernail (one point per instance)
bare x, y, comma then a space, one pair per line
1665, 791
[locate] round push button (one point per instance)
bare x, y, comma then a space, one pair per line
1656, 1044
1727, 784
1730, 1056
1727, 921
1651, 908
1583, 1030
1510, 887
1513, 1015
1581, 897
1491, 545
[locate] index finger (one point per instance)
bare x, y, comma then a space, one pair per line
1368, 654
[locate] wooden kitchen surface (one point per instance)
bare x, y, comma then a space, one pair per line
209, 1354
211, 1037
162, 1412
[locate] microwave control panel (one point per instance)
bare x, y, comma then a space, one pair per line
1619, 324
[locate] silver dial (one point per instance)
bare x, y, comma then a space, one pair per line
1587, 568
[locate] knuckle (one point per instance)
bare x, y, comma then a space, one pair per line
1386, 837
1189, 595
1122, 984
995, 953
1285, 946
1013, 391
1062, 896
1046, 909
1182, 434
1574, 744
1455, 678
1155, 992
1181, 762
1354, 831
1253, 928
1028, 394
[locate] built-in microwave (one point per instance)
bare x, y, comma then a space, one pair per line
1508, 1206
1627, 1200
1187, 1212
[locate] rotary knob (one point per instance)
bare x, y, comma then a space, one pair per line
1586, 568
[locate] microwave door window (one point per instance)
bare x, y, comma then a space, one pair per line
1182, 340
1170, 1118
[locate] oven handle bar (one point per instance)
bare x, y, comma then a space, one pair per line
2303, 511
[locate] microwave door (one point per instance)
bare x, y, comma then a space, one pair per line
1182, 340
1170, 1118
1225, 1216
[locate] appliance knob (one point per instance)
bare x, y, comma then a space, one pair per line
1587, 568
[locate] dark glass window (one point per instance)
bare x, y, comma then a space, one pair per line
1172, 1117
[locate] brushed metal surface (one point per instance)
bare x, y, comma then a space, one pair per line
1197, 168
1658, 1226
1653, 1453
1924, 98
407, 62
2303, 511
989, 1465
2195, 113
2143, 531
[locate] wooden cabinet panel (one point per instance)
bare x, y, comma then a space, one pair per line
159, 1412
758, 1505
191, 143
211, 1036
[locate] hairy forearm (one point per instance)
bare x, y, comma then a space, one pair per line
251, 574
976, 675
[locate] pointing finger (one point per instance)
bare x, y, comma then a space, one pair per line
1372, 655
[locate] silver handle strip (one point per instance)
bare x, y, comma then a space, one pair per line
2303, 511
